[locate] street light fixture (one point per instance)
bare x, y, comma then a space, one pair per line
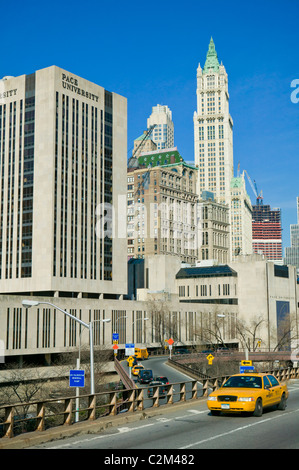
89, 326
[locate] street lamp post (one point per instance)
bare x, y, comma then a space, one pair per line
78, 364
89, 326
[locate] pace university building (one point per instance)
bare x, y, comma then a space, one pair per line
63, 142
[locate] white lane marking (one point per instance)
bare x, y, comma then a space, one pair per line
196, 412
218, 436
126, 429
122, 430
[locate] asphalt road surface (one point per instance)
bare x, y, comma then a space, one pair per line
160, 367
192, 428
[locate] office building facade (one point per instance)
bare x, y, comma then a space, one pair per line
251, 294
240, 218
163, 133
213, 129
63, 157
267, 232
161, 212
213, 229
292, 252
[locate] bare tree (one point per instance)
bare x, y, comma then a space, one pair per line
22, 386
249, 333
213, 331
165, 322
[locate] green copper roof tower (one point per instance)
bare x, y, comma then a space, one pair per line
212, 59
213, 137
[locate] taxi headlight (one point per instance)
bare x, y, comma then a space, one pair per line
246, 399
212, 398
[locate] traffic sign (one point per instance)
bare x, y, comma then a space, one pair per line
170, 341
246, 363
77, 378
130, 360
115, 347
210, 359
115, 336
244, 369
130, 349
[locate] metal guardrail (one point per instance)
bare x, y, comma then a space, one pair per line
42, 415
230, 355
126, 380
212, 383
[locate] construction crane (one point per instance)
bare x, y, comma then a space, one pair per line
133, 161
259, 197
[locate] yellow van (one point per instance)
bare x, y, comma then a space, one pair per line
141, 353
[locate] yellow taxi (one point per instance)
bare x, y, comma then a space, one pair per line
249, 392
137, 368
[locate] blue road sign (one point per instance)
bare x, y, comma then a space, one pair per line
115, 336
244, 369
77, 378
130, 349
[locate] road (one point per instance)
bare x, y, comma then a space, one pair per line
160, 367
192, 427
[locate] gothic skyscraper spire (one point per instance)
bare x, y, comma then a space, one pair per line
213, 151
213, 128
212, 63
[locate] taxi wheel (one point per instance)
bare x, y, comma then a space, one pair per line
258, 408
283, 403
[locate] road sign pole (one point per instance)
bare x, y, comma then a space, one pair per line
92, 389
77, 396
170, 343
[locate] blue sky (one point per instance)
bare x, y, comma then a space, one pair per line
149, 53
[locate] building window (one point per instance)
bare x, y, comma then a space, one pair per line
211, 132
221, 131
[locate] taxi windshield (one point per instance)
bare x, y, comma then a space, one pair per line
245, 381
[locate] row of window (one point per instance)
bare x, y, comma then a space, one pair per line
204, 290
74, 210
210, 132
18, 334
17, 161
